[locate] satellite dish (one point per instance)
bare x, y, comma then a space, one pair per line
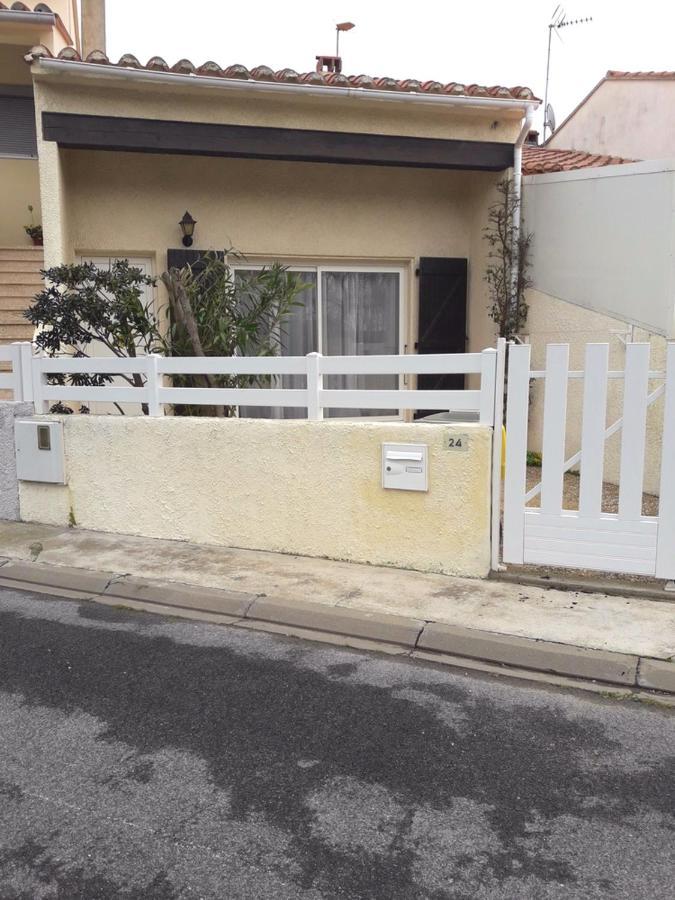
549, 118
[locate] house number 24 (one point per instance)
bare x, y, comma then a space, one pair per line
458, 442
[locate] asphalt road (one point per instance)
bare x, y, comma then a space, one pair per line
146, 758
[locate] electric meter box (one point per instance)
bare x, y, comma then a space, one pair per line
40, 453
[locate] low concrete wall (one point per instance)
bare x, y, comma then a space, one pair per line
311, 489
9, 486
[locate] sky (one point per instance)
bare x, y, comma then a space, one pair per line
484, 41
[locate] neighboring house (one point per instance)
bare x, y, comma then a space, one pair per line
628, 114
55, 25
377, 190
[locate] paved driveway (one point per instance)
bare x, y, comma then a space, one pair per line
145, 758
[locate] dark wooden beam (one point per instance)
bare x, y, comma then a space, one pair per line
252, 142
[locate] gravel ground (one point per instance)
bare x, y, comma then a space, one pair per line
610, 494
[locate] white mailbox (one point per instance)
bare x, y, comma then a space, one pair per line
39, 451
404, 467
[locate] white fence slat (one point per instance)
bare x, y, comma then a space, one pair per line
603, 522
233, 365
314, 386
487, 387
464, 401
312, 366
555, 415
593, 429
633, 435
107, 394
517, 409
407, 364
232, 396
39, 383
155, 407
665, 547
109, 365
26, 370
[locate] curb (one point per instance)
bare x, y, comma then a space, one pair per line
416, 637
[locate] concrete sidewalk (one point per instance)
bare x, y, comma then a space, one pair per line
631, 640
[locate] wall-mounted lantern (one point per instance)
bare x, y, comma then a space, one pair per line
187, 226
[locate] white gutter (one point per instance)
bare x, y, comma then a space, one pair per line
518, 197
97, 70
27, 18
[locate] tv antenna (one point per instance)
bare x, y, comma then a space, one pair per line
558, 20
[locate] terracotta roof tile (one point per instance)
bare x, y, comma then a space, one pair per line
539, 160
290, 76
613, 74
23, 7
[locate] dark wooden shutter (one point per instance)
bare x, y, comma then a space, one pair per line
442, 317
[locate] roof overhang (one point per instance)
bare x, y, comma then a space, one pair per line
28, 25
141, 135
76, 70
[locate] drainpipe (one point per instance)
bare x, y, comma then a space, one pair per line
518, 195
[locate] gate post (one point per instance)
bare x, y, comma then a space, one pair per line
497, 438
517, 409
665, 542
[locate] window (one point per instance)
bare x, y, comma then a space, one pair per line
17, 135
345, 311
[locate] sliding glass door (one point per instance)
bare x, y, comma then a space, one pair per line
343, 311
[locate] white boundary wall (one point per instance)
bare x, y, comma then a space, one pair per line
604, 238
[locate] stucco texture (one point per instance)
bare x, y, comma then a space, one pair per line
198, 102
633, 118
553, 321
9, 486
311, 489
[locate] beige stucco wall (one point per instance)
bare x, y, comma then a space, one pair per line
200, 103
130, 204
312, 489
633, 118
553, 321
19, 187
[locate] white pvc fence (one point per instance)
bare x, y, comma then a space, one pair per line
29, 381
587, 537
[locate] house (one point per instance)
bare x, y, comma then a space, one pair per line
627, 114
55, 26
376, 189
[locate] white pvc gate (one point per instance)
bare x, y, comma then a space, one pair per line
587, 537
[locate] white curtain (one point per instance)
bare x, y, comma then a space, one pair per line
298, 336
360, 317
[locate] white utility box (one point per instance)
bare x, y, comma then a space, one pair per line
39, 451
404, 467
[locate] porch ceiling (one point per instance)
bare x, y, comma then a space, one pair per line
112, 133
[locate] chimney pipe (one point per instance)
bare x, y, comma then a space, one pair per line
93, 26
